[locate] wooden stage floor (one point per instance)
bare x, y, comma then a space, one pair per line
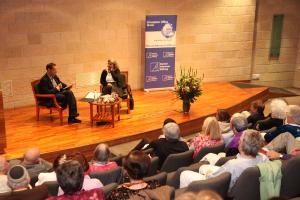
23, 131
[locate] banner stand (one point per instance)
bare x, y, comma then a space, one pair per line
160, 44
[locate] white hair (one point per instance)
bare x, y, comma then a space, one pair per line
293, 111
278, 108
171, 130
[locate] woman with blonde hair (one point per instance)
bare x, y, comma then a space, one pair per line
210, 136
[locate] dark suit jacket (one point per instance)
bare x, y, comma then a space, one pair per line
45, 85
163, 148
116, 74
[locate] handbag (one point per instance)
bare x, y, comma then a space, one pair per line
131, 102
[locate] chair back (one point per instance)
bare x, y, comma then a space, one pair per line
205, 150
219, 184
247, 185
52, 187
109, 176
124, 75
34, 87
175, 161
161, 178
290, 183
153, 166
224, 160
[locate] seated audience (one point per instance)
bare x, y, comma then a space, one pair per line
202, 195
51, 176
239, 124
284, 142
70, 177
275, 119
33, 162
249, 146
136, 165
100, 162
170, 144
223, 118
292, 126
18, 180
3, 177
88, 183
256, 113
210, 137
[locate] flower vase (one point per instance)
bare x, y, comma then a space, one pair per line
186, 106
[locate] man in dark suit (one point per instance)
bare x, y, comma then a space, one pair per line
50, 84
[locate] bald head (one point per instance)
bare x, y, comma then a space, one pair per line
101, 153
32, 156
3, 165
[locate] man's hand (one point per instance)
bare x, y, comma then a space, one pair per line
273, 155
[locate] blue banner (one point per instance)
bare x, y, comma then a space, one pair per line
160, 39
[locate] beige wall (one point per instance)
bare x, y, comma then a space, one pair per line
214, 36
279, 73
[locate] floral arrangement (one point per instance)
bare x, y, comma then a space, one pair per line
188, 87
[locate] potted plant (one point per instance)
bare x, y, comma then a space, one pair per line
188, 87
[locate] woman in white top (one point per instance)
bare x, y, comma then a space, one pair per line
112, 81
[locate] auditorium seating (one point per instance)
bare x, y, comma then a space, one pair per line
205, 150
219, 184
160, 177
174, 161
109, 176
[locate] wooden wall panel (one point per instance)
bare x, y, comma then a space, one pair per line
2, 126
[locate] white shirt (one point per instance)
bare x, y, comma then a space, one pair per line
45, 177
3, 184
236, 166
109, 78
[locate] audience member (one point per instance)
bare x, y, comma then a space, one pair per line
100, 161
70, 177
256, 113
136, 165
88, 183
292, 126
276, 118
284, 142
51, 176
238, 125
18, 180
3, 175
171, 144
249, 146
33, 162
210, 137
202, 195
223, 118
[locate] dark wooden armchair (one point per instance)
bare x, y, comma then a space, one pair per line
39, 103
128, 88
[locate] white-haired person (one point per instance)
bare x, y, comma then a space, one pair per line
169, 144
238, 124
33, 162
292, 126
276, 117
100, 161
249, 146
210, 136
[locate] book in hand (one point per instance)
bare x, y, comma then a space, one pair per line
67, 87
